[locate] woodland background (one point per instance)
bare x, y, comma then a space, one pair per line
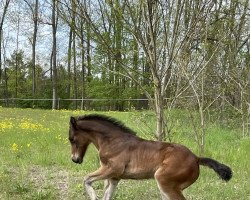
123, 55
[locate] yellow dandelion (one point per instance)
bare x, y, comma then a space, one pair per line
6, 125
29, 125
65, 141
14, 147
59, 137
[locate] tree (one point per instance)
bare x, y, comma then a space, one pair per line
17, 73
160, 33
164, 36
34, 12
162, 50
1, 33
54, 53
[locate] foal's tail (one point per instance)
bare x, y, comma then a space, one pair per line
222, 170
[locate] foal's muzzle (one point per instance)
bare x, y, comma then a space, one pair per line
77, 159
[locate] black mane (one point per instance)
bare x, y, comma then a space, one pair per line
109, 119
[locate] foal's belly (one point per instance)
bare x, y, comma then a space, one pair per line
137, 174
139, 171
143, 162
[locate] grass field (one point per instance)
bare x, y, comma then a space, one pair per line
35, 159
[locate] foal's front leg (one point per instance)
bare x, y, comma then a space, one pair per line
100, 174
89, 189
109, 187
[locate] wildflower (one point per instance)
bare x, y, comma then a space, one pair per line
65, 141
6, 125
29, 125
28, 145
14, 147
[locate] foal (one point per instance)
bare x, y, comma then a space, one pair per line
123, 155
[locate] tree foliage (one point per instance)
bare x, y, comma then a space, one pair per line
187, 53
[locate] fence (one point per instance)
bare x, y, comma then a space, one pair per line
102, 104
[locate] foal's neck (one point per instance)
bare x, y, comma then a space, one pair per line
100, 139
101, 132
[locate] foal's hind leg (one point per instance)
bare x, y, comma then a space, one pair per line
170, 190
170, 193
110, 185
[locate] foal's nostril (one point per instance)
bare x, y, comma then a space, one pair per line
77, 160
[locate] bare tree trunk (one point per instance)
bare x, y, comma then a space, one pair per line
34, 12
1, 34
69, 64
87, 8
54, 68
202, 119
34, 49
118, 26
159, 110
17, 59
89, 76
5, 78
82, 66
74, 51
151, 52
74, 67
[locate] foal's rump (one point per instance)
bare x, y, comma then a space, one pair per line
186, 158
181, 167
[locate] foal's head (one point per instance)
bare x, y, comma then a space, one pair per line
78, 140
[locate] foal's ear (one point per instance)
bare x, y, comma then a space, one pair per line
73, 122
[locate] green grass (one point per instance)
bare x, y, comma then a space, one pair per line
35, 157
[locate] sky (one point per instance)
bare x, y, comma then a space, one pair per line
18, 30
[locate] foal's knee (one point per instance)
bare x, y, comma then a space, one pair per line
87, 181
106, 184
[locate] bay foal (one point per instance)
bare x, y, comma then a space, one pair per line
123, 155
